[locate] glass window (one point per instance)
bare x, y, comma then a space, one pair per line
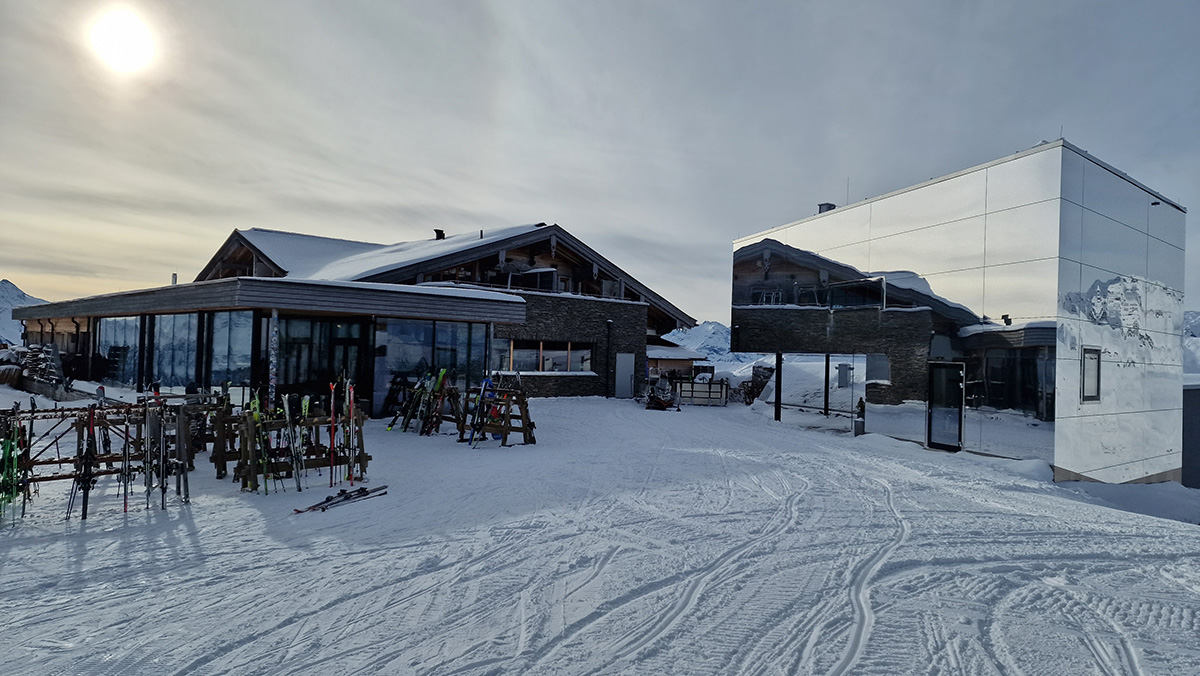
477, 359
175, 352
409, 348
232, 333
581, 357
500, 355
118, 345
526, 355
451, 347
766, 296
554, 356
1090, 379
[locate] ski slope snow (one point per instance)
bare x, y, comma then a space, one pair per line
707, 541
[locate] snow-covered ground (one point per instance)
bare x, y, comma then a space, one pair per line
707, 541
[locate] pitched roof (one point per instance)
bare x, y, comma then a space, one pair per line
384, 258
313, 257
303, 255
901, 285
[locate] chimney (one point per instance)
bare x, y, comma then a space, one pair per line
825, 206
439, 234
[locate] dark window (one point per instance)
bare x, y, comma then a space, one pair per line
1090, 377
526, 355
766, 296
554, 355
581, 356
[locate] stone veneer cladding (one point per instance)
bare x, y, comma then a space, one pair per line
903, 335
560, 317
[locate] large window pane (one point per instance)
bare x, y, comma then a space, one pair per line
231, 336
526, 355
118, 344
451, 349
500, 356
581, 356
477, 362
175, 352
554, 356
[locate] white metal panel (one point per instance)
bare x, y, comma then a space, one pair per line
1069, 273
1021, 290
950, 246
1120, 447
1070, 233
1113, 246
964, 287
1165, 264
1072, 175
831, 229
854, 255
1168, 223
1115, 197
1024, 233
1025, 180
950, 200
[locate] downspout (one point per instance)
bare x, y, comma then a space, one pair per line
608, 359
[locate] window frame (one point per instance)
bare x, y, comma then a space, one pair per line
1084, 353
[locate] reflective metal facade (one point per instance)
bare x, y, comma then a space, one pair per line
1048, 238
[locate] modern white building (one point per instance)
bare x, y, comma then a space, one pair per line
1072, 270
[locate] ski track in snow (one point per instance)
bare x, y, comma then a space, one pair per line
708, 541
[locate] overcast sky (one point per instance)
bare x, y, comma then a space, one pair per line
657, 132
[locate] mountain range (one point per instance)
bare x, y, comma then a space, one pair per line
11, 297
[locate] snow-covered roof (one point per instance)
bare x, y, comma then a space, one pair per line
453, 290
1015, 326
382, 258
672, 352
303, 255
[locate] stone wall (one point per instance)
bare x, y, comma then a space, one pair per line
611, 326
562, 386
902, 335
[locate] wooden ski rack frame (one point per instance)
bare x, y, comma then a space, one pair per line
501, 419
158, 438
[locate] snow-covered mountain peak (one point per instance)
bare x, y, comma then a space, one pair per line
10, 297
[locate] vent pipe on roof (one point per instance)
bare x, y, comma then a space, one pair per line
439, 234
825, 206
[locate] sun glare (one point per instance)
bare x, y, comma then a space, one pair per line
123, 41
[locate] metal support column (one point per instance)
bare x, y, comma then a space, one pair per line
778, 386
826, 407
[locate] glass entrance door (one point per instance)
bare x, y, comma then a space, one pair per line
944, 416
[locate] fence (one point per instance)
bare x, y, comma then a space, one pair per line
703, 394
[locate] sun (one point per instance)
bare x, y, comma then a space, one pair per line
123, 41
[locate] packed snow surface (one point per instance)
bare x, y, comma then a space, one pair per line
627, 541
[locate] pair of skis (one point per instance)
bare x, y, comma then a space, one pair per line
344, 497
349, 439
480, 416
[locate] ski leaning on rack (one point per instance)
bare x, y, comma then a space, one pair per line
344, 496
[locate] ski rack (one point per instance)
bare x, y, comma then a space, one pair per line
265, 441
154, 437
499, 417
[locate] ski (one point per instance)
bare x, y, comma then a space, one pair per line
478, 418
357, 498
341, 496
